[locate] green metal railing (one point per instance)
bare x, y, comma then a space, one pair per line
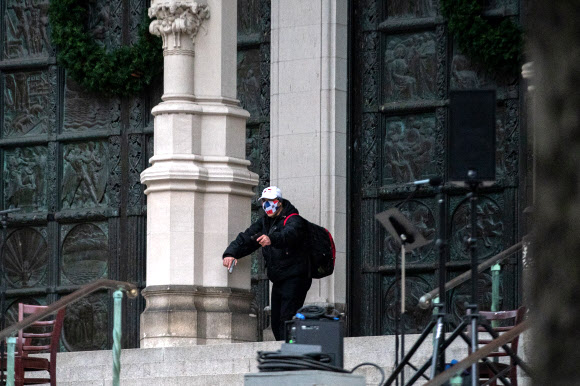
86, 290
495, 297
426, 301
118, 296
10, 361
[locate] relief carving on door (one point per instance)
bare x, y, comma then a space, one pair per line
26, 29
26, 258
29, 98
25, 185
410, 148
410, 67
85, 175
85, 254
86, 324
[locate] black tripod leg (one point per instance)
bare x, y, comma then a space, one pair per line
428, 363
402, 345
411, 352
2, 347
437, 343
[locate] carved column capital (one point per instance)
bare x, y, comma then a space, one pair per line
177, 19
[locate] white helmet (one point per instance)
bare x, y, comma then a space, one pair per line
270, 193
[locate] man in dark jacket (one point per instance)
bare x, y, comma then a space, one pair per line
281, 234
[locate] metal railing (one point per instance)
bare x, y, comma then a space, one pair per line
483, 352
426, 301
86, 290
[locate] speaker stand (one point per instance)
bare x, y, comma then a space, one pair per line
441, 319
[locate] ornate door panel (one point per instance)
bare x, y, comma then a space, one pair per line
254, 96
71, 161
403, 64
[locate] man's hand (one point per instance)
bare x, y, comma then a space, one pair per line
264, 240
228, 261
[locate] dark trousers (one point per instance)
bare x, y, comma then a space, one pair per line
287, 297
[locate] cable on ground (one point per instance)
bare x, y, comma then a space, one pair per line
269, 361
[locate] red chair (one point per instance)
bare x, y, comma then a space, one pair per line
34, 342
509, 370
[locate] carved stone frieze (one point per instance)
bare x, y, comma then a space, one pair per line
177, 18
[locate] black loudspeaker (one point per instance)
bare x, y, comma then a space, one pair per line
471, 136
326, 333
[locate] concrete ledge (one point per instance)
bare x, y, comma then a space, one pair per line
303, 378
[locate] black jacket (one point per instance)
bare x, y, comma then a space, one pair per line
285, 257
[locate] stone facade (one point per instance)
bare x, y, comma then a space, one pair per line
308, 121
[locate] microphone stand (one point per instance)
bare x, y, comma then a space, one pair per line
409, 238
4, 223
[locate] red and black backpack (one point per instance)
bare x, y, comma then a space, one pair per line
320, 247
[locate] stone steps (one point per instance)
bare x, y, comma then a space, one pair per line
224, 364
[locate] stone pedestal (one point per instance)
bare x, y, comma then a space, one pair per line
198, 186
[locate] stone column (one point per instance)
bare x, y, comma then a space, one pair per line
308, 121
198, 186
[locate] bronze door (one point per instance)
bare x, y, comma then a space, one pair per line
403, 64
71, 160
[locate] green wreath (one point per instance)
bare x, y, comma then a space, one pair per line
497, 48
125, 71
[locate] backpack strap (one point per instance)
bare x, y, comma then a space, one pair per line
287, 217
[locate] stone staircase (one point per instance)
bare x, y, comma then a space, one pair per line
223, 364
